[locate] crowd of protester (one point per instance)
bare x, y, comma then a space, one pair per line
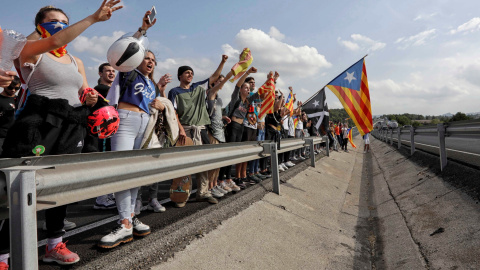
55, 117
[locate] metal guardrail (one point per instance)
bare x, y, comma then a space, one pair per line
37, 183
441, 131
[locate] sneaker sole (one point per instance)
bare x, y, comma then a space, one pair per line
156, 211
107, 245
47, 260
140, 234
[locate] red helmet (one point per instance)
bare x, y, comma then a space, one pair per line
104, 122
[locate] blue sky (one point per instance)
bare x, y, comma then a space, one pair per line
423, 55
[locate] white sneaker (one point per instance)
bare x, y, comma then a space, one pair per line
294, 159
138, 207
139, 229
280, 168
289, 164
284, 166
224, 186
221, 190
155, 206
232, 186
67, 225
301, 158
215, 193
119, 235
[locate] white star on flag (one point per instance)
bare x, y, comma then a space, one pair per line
316, 103
350, 77
57, 25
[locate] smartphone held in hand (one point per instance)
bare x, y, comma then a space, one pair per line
152, 15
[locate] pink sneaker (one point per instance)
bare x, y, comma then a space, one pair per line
61, 255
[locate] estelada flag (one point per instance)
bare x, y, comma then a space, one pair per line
351, 88
267, 91
350, 139
241, 67
289, 103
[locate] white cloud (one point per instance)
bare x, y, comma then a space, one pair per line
349, 44
272, 54
468, 27
416, 40
96, 45
425, 16
360, 42
230, 51
275, 33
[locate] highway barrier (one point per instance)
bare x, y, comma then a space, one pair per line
31, 184
464, 130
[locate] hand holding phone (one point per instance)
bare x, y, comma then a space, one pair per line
151, 16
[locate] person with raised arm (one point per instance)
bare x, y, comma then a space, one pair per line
54, 117
134, 93
217, 187
189, 102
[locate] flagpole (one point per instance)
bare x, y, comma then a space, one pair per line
334, 79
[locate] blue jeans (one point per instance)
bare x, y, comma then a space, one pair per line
128, 137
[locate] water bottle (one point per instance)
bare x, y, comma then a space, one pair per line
11, 44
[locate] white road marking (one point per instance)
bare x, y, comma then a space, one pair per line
94, 225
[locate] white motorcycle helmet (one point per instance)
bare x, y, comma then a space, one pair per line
127, 52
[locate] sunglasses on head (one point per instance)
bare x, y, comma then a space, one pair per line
11, 88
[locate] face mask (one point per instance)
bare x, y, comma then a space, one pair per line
50, 28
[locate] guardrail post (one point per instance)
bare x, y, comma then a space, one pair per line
21, 187
412, 140
441, 145
391, 137
399, 138
271, 148
327, 145
309, 141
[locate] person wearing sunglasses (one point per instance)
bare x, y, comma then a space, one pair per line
7, 108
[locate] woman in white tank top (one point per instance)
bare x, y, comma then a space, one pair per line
57, 68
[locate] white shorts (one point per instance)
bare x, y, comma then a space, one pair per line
367, 140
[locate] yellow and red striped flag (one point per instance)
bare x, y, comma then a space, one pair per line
267, 92
295, 121
351, 88
241, 67
350, 139
289, 103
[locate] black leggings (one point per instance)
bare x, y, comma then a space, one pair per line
234, 134
54, 216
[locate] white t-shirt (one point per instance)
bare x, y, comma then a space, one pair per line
366, 138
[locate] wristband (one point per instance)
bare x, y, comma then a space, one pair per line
143, 32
